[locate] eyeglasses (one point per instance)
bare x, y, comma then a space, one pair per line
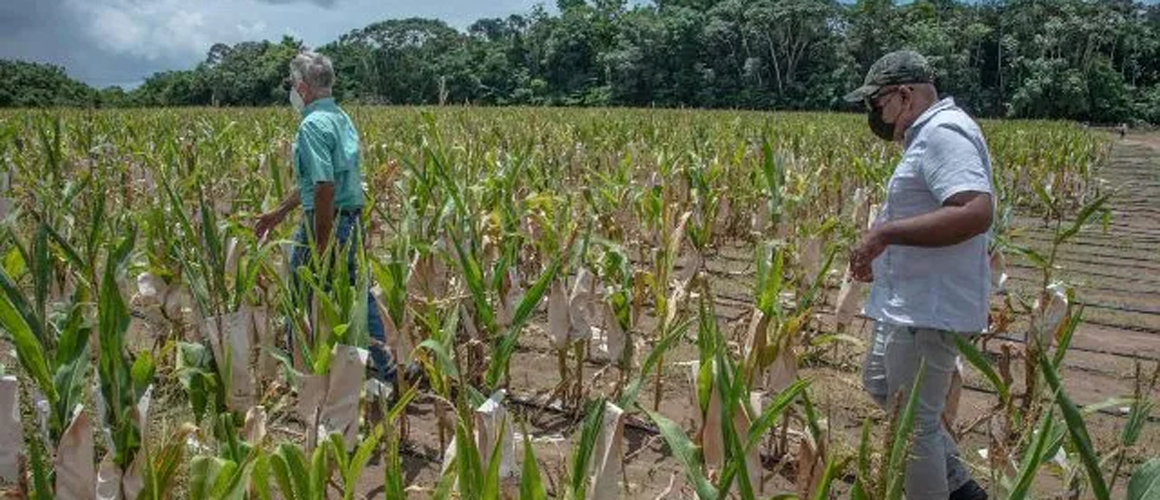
871, 102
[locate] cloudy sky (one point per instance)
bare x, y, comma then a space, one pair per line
120, 42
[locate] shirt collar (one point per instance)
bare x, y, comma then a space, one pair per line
937, 108
325, 102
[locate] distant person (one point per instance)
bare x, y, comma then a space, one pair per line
329, 175
1123, 130
926, 255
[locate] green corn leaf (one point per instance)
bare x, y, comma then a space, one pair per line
686, 453
29, 351
491, 481
260, 478
507, 344
1077, 429
17, 314
900, 449
1068, 334
443, 490
983, 365
834, 466
1035, 257
1137, 419
861, 489
41, 488
1082, 217
473, 276
582, 456
1032, 459
42, 275
772, 415
1145, 482
467, 458
319, 473
531, 482
283, 475
393, 486
667, 341
292, 460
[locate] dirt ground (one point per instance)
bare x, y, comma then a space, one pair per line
1117, 275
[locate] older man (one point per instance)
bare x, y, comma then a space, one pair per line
326, 165
927, 258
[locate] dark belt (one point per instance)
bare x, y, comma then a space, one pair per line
342, 212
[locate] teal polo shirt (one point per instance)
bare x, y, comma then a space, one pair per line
327, 150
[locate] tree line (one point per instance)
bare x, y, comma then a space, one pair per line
1089, 60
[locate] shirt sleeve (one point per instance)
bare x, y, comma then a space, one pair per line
316, 152
954, 164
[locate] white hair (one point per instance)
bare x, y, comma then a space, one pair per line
314, 69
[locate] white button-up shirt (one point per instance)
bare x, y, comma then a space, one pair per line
945, 288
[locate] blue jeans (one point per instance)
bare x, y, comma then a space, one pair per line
346, 226
935, 468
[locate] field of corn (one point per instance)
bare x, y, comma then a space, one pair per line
605, 304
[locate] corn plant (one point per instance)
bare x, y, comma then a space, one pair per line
124, 378
719, 374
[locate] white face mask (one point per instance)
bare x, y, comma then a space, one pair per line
296, 100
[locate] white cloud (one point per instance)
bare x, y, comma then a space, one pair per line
255, 29
164, 29
121, 42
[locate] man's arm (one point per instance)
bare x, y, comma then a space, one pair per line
268, 221
324, 212
963, 216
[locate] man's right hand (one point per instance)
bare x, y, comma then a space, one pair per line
267, 222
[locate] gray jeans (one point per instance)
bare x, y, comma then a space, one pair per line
934, 469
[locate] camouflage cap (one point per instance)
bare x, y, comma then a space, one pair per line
904, 66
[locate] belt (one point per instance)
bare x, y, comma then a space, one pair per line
342, 212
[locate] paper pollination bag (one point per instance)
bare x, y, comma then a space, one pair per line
493, 428
231, 339
115, 483
608, 340
607, 463
329, 403
11, 432
75, 475
709, 430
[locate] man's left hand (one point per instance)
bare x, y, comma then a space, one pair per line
861, 256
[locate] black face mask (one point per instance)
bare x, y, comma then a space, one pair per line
883, 130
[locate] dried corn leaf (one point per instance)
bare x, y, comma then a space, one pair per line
810, 467
254, 429
998, 271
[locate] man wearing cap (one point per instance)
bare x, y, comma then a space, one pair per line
926, 255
